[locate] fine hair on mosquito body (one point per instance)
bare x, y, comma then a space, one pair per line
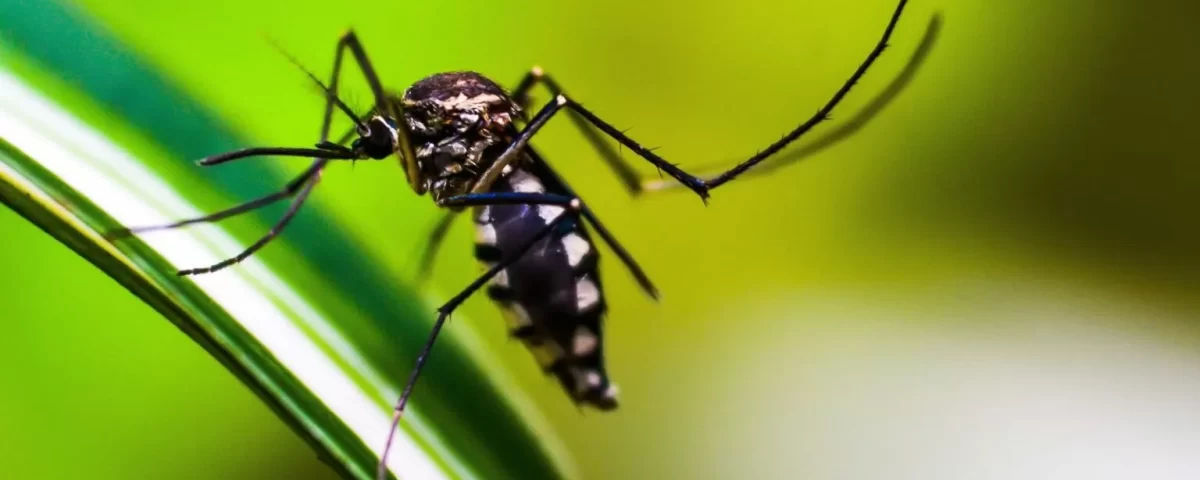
465, 140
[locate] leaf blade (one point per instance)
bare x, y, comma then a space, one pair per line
40, 195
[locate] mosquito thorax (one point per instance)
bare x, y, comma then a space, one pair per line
459, 122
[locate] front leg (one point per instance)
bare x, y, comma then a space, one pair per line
298, 189
383, 105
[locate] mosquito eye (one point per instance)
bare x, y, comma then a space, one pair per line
377, 146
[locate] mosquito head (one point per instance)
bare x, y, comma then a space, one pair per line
457, 122
377, 138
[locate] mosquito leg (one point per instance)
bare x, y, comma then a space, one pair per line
301, 196
543, 168
510, 198
531, 79
507, 198
433, 244
624, 171
299, 188
851, 125
698, 185
288, 191
383, 104
516, 147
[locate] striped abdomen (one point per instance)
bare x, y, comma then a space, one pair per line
551, 296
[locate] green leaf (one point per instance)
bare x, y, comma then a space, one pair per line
330, 377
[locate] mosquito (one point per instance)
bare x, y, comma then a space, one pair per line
465, 140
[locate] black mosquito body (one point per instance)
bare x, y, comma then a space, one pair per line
464, 140
549, 291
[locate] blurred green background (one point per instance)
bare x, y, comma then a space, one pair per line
995, 279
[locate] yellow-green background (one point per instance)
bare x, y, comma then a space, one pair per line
1010, 243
